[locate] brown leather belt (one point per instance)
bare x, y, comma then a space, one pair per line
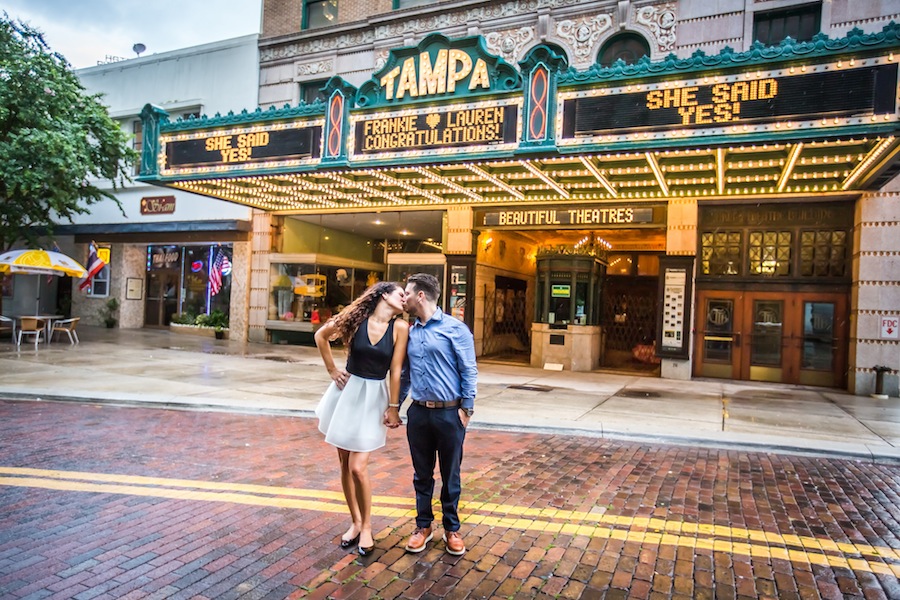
437, 403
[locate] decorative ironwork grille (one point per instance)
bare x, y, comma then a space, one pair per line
507, 328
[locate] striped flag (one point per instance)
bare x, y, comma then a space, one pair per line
94, 266
219, 268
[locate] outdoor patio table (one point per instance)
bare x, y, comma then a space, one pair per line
47, 320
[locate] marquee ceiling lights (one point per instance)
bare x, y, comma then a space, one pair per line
826, 166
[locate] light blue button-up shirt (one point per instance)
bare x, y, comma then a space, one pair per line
440, 361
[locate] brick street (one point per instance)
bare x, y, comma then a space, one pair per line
98, 501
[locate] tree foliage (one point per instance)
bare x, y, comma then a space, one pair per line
58, 144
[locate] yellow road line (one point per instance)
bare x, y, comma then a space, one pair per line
754, 543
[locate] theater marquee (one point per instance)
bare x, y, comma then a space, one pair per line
436, 129
240, 147
821, 95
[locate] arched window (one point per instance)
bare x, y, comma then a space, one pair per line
628, 46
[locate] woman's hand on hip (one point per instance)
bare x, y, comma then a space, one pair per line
340, 378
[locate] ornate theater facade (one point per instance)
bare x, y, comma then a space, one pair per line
630, 186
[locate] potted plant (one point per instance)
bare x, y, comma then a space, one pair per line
218, 320
108, 314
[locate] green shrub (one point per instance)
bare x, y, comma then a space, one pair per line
183, 319
216, 319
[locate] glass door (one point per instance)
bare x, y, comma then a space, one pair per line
719, 335
766, 339
162, 297
822, 340
790, 337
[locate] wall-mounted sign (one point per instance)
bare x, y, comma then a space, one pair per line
890, 327
560, 291
163, 257
134, 288
575, 217
676, 273
157, 205
767, 215
736, 99
437, 128
214, 148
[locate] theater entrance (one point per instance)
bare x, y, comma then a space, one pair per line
784, 337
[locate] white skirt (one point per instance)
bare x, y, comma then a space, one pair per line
353, 418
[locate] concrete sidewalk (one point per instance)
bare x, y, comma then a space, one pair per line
150, 367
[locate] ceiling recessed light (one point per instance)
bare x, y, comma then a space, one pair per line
378, 222
405, 232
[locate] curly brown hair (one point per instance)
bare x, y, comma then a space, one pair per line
348, 320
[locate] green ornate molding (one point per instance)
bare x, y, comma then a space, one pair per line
759, 54
316, 109
390, 86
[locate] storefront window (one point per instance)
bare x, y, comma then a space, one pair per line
770, 253
187, 281
720, 253
823, 253
195, 280
99, 286
308, 293
399, 273
620, 264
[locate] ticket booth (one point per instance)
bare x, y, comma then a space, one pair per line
567, 309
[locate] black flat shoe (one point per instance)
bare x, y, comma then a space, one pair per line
347, 543
363, 551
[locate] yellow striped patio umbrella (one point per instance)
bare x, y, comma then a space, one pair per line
40, 262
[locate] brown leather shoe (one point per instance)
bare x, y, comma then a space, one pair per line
417, 541
455, 544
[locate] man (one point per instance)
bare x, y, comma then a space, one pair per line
442, 384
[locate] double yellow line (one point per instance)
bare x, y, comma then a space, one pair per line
649, 531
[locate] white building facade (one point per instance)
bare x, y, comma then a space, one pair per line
162, 243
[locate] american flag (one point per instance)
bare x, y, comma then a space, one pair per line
94, 266
220, 267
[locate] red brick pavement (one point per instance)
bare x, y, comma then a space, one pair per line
644, 521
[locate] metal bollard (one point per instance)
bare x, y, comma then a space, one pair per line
880, 370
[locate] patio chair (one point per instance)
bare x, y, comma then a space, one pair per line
66, 326
7, 324
33, 327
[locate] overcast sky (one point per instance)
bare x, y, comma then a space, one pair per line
87, 31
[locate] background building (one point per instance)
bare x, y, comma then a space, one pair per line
163, 244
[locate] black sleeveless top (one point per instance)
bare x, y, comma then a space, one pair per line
368, 361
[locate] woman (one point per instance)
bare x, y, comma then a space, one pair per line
355, 411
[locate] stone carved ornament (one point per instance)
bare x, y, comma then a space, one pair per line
479, 14
582, 34
509, 44
381, 58
315, 68
417, 26
660, 21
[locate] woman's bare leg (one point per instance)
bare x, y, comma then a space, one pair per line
350, 495
359, 471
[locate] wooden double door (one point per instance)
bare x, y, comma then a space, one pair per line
787, 337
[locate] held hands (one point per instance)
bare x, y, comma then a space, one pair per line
392, 418
340, 377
